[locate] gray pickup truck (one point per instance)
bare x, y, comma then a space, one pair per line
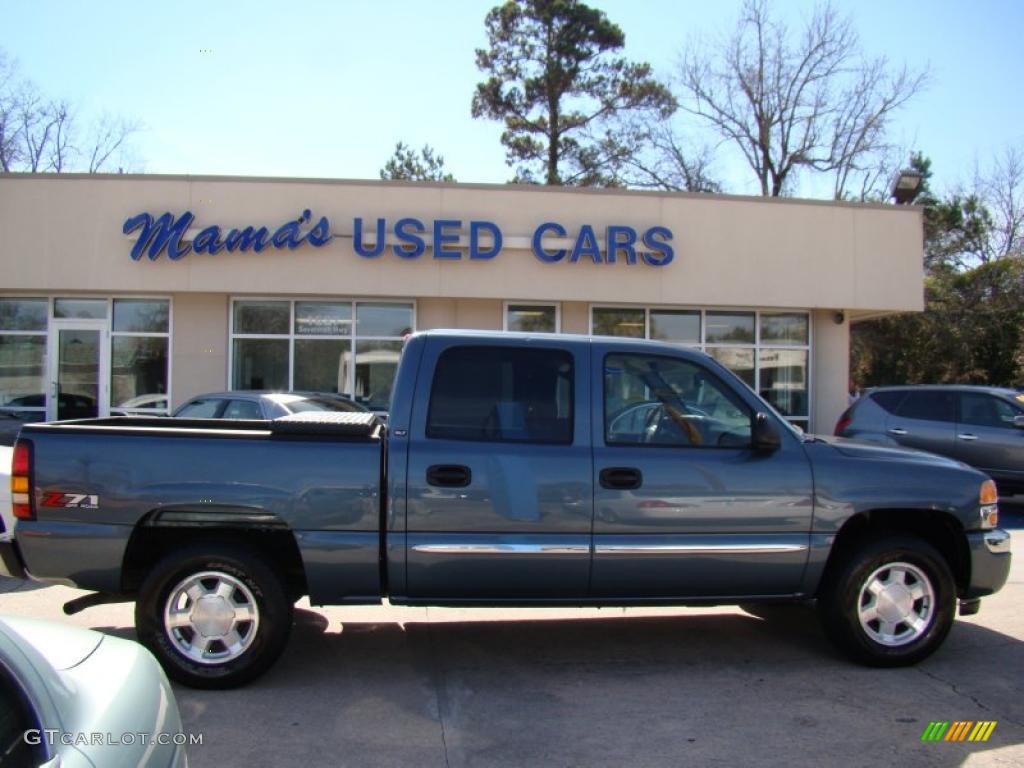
516, 469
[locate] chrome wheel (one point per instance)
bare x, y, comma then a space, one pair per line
896, 604
211, 617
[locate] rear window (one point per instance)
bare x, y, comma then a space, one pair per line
889, 401
929, 405
502, 394
322, 404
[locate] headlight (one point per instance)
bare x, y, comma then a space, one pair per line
988, 501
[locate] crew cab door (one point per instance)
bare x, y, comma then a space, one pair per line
499, 496
684, 505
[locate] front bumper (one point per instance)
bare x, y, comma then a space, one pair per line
990, 562
11, 563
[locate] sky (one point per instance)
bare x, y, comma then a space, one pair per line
326, 89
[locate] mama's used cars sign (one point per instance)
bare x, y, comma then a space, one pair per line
407, 238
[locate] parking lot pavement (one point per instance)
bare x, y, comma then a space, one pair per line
388, 686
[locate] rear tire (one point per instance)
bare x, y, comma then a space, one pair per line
215, 616
889, 602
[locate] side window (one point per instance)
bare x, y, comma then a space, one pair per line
654, 400
889, 400
242, 409
200, 409
502, 394
930, 405
983, 410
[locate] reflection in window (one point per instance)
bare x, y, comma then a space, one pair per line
788, 329
383, 319
82, 309
739, 360
141, 316
262, 317
23, 314
532, 318
22, 358
730, 328
376, 365
320, 364
679, 326
612, 321
323, 318
138, 372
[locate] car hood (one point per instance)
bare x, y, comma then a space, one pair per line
857, 449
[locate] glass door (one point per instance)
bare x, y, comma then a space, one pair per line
79, 370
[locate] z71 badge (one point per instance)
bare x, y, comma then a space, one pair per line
79, 500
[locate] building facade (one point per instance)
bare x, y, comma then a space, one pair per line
134, 293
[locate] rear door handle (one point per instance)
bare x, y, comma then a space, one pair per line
967, 436
897, 431
449, 475
621, 478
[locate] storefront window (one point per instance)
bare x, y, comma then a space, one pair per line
320, 346
80, 309
139, 356
532, 318
769, 351
680, 326
730, 328
23, 323
613, 321
260, 364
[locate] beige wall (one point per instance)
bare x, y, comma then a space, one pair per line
830, 370
199, 356
63, 232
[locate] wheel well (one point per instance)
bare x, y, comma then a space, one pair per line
941, 530
151, 543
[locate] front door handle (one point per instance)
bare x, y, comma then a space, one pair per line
621, 478
967, 436
449, 475
897, 431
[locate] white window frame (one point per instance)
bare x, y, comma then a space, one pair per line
525, 302
756, 345
353, 338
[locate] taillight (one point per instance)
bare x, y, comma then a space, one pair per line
844, 421
22, 503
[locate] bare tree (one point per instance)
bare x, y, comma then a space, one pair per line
796, 102
39, 134
669, 163
1002, 190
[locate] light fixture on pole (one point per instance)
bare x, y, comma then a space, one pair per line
906, 186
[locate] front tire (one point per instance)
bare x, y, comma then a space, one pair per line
214, 616
889, 602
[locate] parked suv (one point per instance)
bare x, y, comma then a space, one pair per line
980, 426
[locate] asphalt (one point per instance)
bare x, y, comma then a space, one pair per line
388, 686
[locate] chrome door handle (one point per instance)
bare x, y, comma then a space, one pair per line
967, 436
897, 431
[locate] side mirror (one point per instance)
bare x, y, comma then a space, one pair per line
1018, 422
764, 435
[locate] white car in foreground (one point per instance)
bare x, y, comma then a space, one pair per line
75, 698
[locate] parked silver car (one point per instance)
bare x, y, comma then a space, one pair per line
257, 404
75, 698
980, 426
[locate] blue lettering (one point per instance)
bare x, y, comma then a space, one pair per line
287, 236
549, 257
163, 233
357, 239
586, 244
246, 239
320, 234
208, 240
409, 231
621, 239
441, 237
475, 228
658, 246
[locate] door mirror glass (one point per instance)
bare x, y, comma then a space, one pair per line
764, 433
